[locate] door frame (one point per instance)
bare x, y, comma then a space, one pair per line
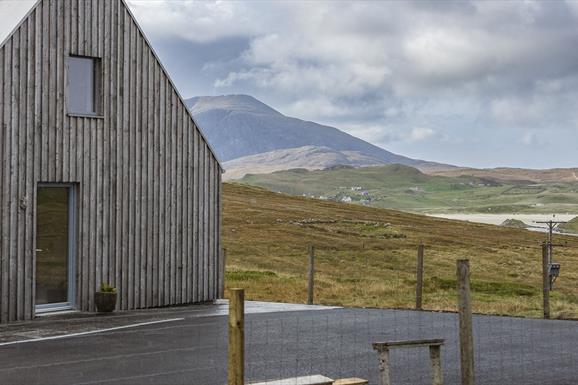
72, 217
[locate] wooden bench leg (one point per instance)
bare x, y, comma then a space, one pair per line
384, 378
436, 365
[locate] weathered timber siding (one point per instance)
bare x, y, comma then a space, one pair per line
148, 183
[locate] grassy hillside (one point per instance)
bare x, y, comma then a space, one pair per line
406, 188
570, 227
366, 256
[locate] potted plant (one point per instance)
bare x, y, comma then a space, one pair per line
105, 299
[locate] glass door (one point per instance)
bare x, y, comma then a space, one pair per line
54, 247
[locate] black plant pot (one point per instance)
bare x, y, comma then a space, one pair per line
105, 301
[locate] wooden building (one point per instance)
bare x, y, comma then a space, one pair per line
105, 177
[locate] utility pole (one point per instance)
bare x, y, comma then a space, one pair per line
550, 270
551, 226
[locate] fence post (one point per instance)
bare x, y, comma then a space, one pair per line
435, 357
546, 280
222, 269
310, 287
465, 314
236, 373
419, 278
384, 376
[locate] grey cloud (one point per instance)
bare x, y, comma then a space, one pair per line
486, 70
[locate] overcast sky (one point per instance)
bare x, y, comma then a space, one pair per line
489, 83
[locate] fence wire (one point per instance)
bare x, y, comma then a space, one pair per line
337, 343
508, 350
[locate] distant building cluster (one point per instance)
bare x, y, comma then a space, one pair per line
358, 195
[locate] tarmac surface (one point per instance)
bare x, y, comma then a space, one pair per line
188, 345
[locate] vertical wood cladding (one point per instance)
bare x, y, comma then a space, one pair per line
148, 216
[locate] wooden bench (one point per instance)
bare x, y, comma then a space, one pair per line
434, 346
306, 380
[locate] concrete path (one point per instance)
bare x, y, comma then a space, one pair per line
334, 342
60, 325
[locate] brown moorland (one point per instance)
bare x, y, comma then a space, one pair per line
366, 256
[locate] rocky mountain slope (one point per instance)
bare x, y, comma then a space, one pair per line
306, 157
239, 126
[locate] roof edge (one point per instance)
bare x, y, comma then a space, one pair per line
171, 82
26, 16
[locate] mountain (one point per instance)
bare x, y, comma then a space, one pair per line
239, 126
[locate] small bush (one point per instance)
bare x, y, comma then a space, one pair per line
106, 288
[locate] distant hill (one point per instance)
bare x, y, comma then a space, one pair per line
570, 227
513, 174
239, 126
407, 188
514, 224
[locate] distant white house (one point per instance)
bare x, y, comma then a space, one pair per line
416, 189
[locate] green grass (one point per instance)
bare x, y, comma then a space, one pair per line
366, 256
248, 275
494, 289
405, 188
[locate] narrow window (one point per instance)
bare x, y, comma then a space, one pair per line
84, 85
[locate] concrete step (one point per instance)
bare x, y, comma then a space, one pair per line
351, 381
306, 380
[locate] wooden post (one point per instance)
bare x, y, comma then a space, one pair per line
419, 278
436, 365
384, 376
236, 372
546, 280
465, 314
222, 270
310, 288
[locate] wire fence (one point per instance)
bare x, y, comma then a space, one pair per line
377, 275
334, 342
508, 350
337, 343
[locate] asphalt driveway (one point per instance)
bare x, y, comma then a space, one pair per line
190, 347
